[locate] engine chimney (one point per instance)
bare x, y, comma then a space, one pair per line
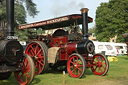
84, 12
10, 17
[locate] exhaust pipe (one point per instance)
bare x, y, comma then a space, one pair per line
84, 12
10, 17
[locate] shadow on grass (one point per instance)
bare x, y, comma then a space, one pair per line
87, 72
11, 80
126, 58
36, 81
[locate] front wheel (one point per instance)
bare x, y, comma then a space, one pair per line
26, 75
100, 65
76, 65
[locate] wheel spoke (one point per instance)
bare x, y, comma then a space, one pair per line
27, 77
36, 49
40, 63
31, 53
103, 63
40, 56
26, 64
97, 58
79, 65
79, 69
71, 66
72, 71
39, 52
95, 68
21, 76
94, 62
77, 59
32, 48
104, 68
98, 70
37, 66
75, 71
102, 59
73, 60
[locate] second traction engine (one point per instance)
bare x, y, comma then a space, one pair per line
12, 58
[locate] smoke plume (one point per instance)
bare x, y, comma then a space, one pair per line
65, 9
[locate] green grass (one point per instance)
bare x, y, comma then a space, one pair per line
117, 75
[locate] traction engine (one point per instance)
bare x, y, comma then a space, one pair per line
12, 58
72, 51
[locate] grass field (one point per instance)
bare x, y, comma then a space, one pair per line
117, 75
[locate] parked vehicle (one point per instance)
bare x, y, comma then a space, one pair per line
63, 50
121, 48
105, 47
12, 57
110, 48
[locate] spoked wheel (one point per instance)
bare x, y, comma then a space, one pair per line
76, 65
100, 65
38, 51
26, 75
4, 76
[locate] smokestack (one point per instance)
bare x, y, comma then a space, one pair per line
84, 12
10, 17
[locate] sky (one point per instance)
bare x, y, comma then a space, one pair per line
49, 9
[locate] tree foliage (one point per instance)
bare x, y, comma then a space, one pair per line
20, 14
111, 20
92, 30
31, 7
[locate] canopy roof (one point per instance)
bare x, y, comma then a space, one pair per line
59, 22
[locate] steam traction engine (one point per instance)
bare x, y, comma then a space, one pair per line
12, 58
63, 50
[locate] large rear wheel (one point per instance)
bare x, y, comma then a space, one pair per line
26, 75
38, 51
76, 65
100, 65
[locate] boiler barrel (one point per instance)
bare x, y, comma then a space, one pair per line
81, 47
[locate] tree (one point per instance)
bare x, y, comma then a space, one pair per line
92, 30
20, 14
111, 20
31, 7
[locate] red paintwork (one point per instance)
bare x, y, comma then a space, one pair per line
99, 65
71, 47
66, 48
22, 77
75, 66
33, 50
56, 42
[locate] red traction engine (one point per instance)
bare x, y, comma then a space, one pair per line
12, 58
63, 50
